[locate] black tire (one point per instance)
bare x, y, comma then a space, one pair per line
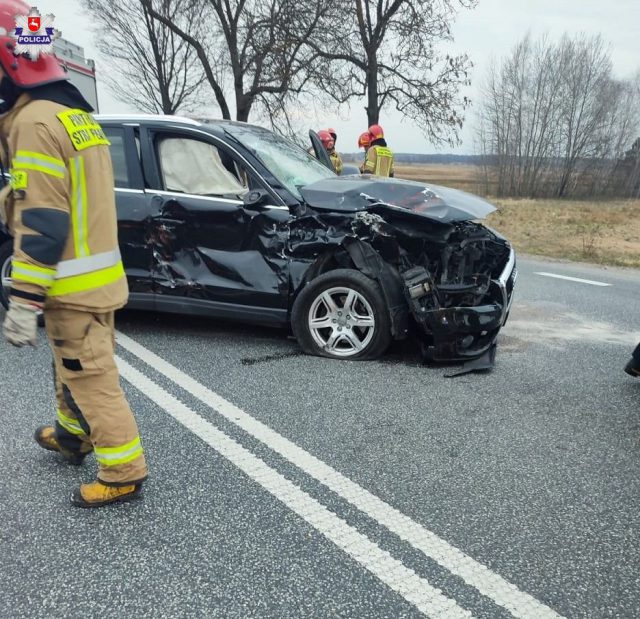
374, 339
6, 251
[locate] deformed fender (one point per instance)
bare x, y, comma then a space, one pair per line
368, 261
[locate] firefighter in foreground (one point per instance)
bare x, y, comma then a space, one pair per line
379, 157
633, 367
61, 213
329, 143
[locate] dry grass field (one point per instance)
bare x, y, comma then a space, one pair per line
603, 232
463, 177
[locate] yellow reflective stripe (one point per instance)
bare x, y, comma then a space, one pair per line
18, 264
86, 282
41, 157
112, 456
79, 206
32, 274
28, 160
90, 264
70, 425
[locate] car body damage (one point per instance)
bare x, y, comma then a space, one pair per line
229, 220
199, 256
439, 270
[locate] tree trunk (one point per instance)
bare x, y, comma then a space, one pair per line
373, 109
244, 104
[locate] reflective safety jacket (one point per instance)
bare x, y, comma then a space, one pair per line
62, 211
336, 160
378, 161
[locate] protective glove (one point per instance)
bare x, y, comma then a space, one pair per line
21, 324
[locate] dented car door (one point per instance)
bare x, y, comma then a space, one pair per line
215, 250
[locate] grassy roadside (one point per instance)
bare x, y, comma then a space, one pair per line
598, 232
603, 232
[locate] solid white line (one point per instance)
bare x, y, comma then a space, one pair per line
488, 583
413, 588
572, 279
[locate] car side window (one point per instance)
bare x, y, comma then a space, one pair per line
115, 135
196, 167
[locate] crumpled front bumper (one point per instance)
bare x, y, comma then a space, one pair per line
463, 333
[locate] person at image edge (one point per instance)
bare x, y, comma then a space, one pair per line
60, 210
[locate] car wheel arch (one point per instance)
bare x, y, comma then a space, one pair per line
364, 258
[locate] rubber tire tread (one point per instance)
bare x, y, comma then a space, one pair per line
367, 287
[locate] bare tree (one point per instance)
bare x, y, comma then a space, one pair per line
387, 51
261, 44
553, 120
150, 67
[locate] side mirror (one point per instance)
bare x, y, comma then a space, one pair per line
256, 198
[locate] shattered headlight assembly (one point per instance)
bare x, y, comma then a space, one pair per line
417, 282
419, 290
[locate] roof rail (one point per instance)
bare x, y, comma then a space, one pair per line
156, 117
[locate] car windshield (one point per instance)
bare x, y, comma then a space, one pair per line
289, 163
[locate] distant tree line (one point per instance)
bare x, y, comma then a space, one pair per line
268, 59
554, 122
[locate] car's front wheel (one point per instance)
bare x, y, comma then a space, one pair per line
342, 314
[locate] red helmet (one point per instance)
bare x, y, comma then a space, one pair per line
333, 133
364, 140
326, 138
376, 131
22, 71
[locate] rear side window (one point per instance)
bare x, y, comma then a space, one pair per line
196, 167
118, 156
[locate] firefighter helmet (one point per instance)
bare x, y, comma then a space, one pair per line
326, 138
364, 140
333, 133
376, 131
21, 70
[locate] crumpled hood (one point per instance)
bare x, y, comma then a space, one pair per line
357, 193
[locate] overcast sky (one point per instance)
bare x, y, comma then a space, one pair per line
487, 32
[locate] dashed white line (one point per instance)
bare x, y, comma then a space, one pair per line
519, 603
572, 279
429, 600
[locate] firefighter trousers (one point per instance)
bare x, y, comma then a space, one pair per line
92, 410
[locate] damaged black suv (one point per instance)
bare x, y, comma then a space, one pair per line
229, 220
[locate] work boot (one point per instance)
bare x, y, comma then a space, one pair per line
97, 494
46, 437
633, 368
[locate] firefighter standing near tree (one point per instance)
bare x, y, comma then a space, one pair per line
61, 213
364, 141
329, 144
379, 158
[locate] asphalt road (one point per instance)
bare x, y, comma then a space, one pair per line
291, 486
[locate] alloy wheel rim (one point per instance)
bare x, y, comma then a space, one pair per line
341, 321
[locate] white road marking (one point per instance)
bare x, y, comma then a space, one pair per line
572, 279
519, 603
413, 588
